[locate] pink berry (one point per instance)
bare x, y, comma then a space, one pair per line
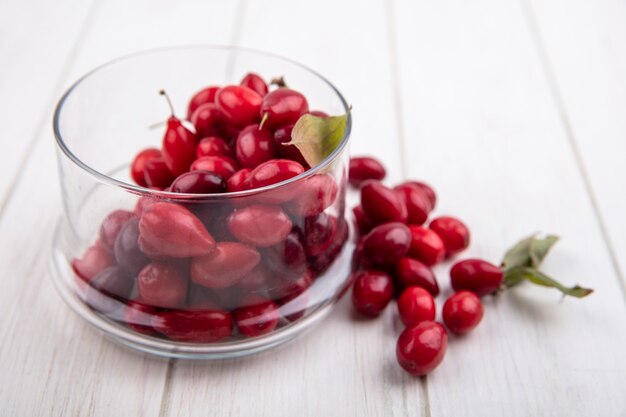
168, 229
477, 276
387, 243
365, 168
416, 305
381, 204
371, 292
411, 272
95, 260
462, 312
420, 349
111, 226
426, 246
260, 226
454, 234
162, 285
225, 266
314, 195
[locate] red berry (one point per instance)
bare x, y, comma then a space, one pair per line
157, 174
126, 248
295, 300
240, 105
213, 146
371, 292
139, 163
420, 349
255, 279
426, 246
365, 168
381, 204
207, 119
427, 190
260, 226
111, 226
255, 82
411, 272
198, 182
477, 276
168, 229
274, 171
417, 203
283, 106
363, 224
138, 317
454, 234
220, 165
95, 259
239, 181
321, 262
257, 317
225, 266
283, 135
179, 147
162, 285
314, 195
462, 312
204, 325
287, 258
416, 305
387, 243
206, 95
254, 146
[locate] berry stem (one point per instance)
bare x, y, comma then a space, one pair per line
169, 102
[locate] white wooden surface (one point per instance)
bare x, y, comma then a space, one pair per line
514, 110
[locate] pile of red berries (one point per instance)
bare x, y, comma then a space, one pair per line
394, 258
204, 271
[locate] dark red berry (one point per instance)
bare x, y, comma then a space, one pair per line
106, 291
225, 266
206, 95
477, 276
239, 181
126, 248
162, 285
255, 82
257, 317
204, 325
363, 224
111, 226
274, 171
157, 174
387, 243
454, 234
381, 204
287, 257
420, 349
168, 229
139, 163
260, 226
240, 105
427, 190
138, 317
371, 292
254, 146
417, 203
198, 182
207, 119
213, 146
426, 246
365, 168
179, 144
416, 305
220, 165
462, 312
411, 272
283, 106
294, 303
282, 135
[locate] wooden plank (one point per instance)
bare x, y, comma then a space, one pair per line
485, 128
53, 363
585, 54
344, 366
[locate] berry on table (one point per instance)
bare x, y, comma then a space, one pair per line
416, 305
477, 276
421, 348
453, 232
462, 312
371, 292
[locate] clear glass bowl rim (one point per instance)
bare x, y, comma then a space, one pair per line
142, 191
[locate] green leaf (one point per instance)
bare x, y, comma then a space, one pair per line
539, 248
518, 255
317, 137
519, 274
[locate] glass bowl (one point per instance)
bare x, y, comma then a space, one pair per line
192, 275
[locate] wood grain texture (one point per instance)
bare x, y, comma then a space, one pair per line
583, 51
55, 364
504, 164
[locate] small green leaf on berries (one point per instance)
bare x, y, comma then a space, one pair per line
518, 255
539, 248
317, 137
519, 274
